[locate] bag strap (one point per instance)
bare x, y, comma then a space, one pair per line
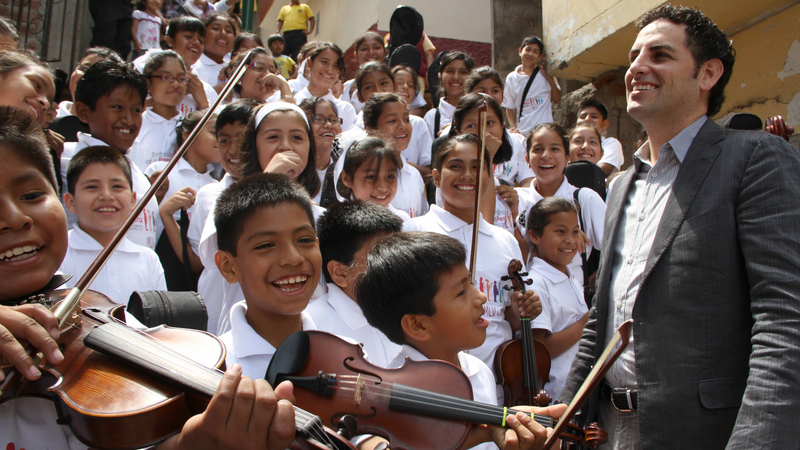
436, 123
586, 286
525, 92
183, 223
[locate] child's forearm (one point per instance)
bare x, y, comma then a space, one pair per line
561, 341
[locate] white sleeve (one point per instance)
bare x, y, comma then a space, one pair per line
430, 121
348, 115
510, 100
523, 169
222, 5
159, 281
544, 320
424, 143
612, 153
211, 94
593, 210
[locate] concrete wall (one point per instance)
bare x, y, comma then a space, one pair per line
512, 20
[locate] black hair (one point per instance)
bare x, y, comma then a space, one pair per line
105, 76
102, 52
307, 47
248, 154
369, 149
704, 40
237, 112
552, 127
596, 104
321, 47
11, 61
309, 106
480, 74
185, 23
449, 58
23, 135
243, 36
578, 127
97, 154
242, 199
155, 62
240, 57
7, 28
411, 71
187, 124
449, 145
222, 16
401, 276
368, 35
275, 37
374, 107
373, 66
474, 100
539, 215
346, 227
532, 40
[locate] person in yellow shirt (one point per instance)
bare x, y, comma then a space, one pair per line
296, 21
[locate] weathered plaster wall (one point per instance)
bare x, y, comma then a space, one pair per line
512, 20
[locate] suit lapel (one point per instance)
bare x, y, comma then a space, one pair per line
695, 167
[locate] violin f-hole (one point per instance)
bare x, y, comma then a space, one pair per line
376, 379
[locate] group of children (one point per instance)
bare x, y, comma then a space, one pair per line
351, 217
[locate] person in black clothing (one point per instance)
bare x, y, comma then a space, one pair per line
113, 20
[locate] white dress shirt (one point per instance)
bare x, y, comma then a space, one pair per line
338, 314
156, 140
446, 111
208, 70
344, 109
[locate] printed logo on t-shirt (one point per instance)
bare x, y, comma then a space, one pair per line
496, 296
503, 219
534, 103
503, 170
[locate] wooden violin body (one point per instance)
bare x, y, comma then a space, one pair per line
508, 365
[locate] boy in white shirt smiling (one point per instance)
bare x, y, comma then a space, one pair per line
346, 232
100, 195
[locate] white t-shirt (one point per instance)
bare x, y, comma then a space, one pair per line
480, 377
210, 284
31, 423
612, 153
446, 111
299, 83
345, 109
246, 347
515, 170
502, 213
537, 107
593, 210
562, 305
338, 314
410, 196
143, 230
156, 140
232, 292
496, 249
148, 29
130, 268
208, 70
401, 214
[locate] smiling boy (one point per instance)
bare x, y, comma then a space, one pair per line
110, 98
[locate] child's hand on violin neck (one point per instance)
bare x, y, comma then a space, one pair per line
528, 303
524, 433
27, 324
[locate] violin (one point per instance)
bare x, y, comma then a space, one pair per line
777, 126
122, 388
332, 379
522, 365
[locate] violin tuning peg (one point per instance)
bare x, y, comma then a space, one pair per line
507, 288
504, 278
523, 274
529, 282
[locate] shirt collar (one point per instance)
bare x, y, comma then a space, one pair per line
469, 369
246, 342
564, 190
347, 308
548, 271
449, 222
81, 240
446, 108
680, 144
87, 140
156, 118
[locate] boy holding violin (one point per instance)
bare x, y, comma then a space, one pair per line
416, 289
33, 240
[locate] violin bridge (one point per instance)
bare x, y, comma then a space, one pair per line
360, 383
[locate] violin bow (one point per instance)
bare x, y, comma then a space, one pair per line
476, 222
63, 310
601, 367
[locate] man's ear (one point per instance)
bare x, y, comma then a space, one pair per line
360, 98
606, 123
416, 327
437, 178
710, 72
83, 111
69, 202
226, 266
338, 272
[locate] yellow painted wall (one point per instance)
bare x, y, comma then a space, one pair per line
342, 21
766, 76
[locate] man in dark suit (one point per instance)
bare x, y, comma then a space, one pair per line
113, 20
702, 251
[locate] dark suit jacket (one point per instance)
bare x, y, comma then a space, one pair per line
717, 317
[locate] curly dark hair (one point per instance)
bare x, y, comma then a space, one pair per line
704, 40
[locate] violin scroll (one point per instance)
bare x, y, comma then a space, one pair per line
777, 126
595, 436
